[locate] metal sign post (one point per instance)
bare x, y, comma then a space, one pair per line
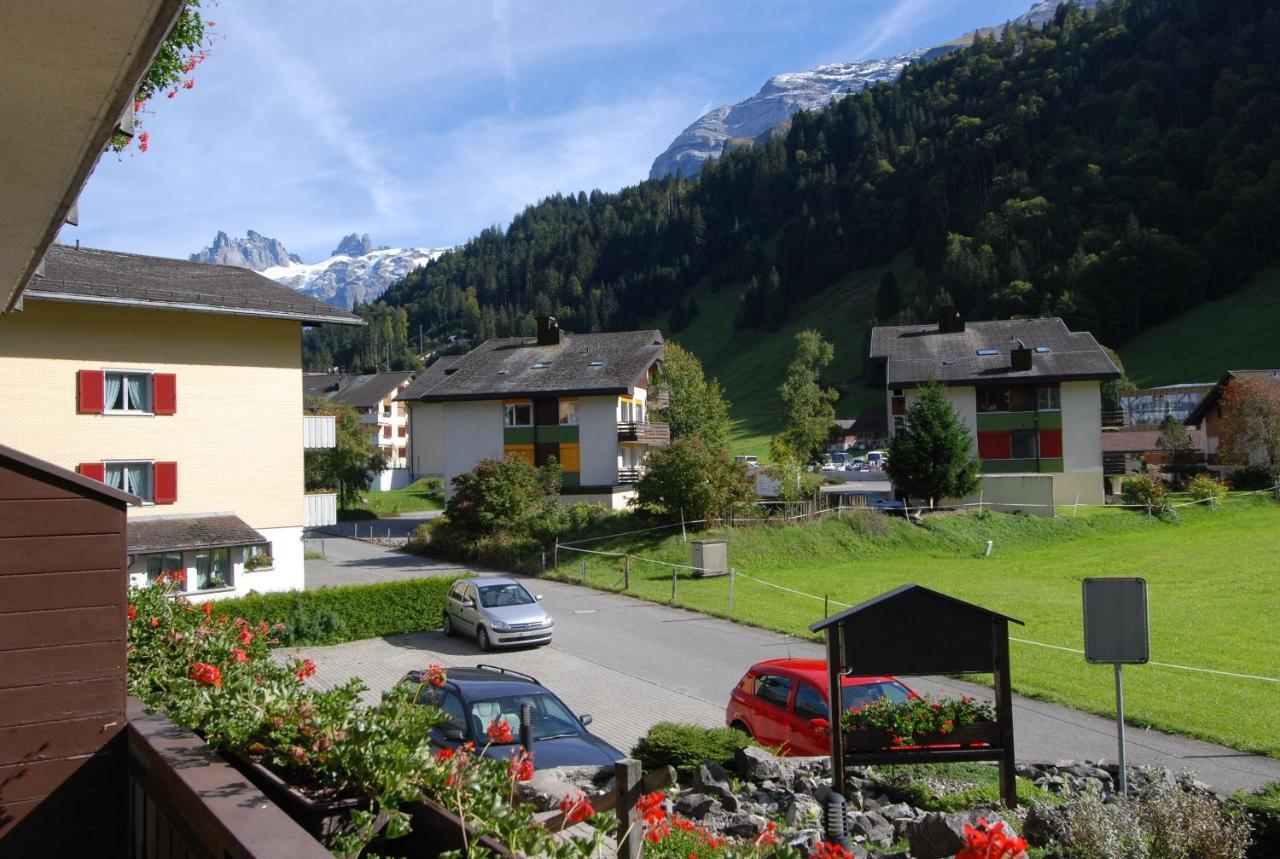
1116, 631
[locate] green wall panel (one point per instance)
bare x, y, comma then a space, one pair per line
517, 435
1019, 420
1020, 466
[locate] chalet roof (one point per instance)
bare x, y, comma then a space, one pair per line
582, 364
360, 391
111, 277
1138, 441
1215, 393
905, 592
173, 533
915, 354
47, 471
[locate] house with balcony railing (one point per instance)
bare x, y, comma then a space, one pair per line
373, 396
583, 399
1028, 389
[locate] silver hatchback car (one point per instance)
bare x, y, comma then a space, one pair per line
498, 612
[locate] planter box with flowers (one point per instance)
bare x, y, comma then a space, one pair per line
355, 776
920, 723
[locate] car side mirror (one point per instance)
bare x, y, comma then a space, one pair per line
821, 726
537, 596
585, 719
468, 603
453, 735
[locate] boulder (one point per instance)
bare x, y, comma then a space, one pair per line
757, 765
937, 835
696, 805
803, 810
873, 826
745, 826
710, 775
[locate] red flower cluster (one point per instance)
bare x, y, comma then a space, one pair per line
991, 841
306, 669
155, 621
577, 808
436, 675
209, 675
685, 825
651, 810
240, 655
499, 732
769, 836
207, 608
521, 768
829, 850
132, 612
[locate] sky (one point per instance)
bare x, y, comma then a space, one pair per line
421, 122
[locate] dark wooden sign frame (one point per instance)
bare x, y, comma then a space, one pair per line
913, 630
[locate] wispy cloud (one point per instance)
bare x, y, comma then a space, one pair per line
901, 17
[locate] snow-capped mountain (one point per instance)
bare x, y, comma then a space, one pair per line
356, 270
785, 94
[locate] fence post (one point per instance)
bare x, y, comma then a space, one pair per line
684, 538
1075, 509
555, 556
630, 835
626, 572
732, 575
674, 571
583, 577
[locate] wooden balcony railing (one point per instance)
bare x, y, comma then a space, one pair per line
644, 432
630, 475
1113, 417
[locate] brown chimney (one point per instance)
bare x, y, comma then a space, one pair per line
1020, 357
549, 333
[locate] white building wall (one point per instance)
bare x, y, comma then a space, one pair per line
1082, 429
286, 573
426, 439
598, 440
964, 399
472, 432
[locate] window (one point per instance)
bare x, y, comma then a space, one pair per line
402, 432
257, 557
993, 398
163, 562
1023, 444
569, 412
1022, 398
213, 569
774, 689
386, 432
1049, 398
132, 477
128, 391
455, 715
865, 693
809, 703
387, 409
518, 415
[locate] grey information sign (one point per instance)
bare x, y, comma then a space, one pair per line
1115, 621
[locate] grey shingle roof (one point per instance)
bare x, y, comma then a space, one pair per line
171, 533
110, 277
917, 353
1138, 441
363, 391
505, 367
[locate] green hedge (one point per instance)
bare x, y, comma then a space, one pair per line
686, 746
334, 615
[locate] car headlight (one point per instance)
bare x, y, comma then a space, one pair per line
547, 621
500, 626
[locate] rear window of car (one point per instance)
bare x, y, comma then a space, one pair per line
774, 689
865, 693
809, 703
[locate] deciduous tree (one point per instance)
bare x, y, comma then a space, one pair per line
688, 479
351, 463
1249, 433
695, 406
808, 409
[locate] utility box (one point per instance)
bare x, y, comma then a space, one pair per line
710, 558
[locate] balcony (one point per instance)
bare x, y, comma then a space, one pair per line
1113, 418
644, 432
629, 475
318, 432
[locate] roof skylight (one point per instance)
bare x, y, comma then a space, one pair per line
596, 363
988, 352
1042, 349
541, 365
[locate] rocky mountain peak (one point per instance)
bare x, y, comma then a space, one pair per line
354, 246
254, 251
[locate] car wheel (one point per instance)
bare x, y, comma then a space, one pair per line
482, 639
741, 726
447, 625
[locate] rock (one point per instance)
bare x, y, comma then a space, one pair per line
802, 810
873, 826
937, 835
710, 775
546, 789
745, 826
897, 811
1042, 826
757, 765
696, 805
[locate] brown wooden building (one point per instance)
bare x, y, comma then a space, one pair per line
63, 586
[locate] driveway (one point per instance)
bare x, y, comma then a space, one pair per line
631, 663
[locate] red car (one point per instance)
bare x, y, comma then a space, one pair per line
783, 702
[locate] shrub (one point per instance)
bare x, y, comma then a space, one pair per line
1249, 477
1205, 488
865, 522
503, 496
689, 480
686, 746
1146, 490
333, 615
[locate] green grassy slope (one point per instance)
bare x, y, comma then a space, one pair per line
1208, 574
1239, 332
752, 364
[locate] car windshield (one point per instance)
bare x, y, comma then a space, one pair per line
550, 717
864, 693
496, 596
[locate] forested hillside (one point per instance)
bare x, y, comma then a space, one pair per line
1115, 168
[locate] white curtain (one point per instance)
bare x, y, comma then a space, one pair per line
113, 392
114, 475
138, 480
136, 400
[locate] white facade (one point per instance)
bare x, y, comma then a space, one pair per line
426, 435
598, 440
472, 432
285, 573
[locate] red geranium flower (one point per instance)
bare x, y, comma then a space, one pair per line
577, 808
239, 654
436, 675
499, 732
132, 612
207, 608
521, 767
444, 755
991, 841
155, 621
209, 675
246, 636
829, 850
650, 808
306, 669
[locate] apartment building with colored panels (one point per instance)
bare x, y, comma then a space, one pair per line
1028, 389
580, 398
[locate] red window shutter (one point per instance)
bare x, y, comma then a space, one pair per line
91, 396
1050, 443
93, 470
995, 444
164, 393
166, 482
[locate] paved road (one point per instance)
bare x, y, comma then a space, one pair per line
631, 663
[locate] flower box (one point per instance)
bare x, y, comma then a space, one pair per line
965, 736
436, 829
321, 818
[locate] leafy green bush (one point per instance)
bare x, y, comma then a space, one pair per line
1205, 488
1146, 490
333, 615
686, 746
689, 480
1249, 477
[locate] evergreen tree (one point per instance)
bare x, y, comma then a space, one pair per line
695, 406
808, 409
931, 455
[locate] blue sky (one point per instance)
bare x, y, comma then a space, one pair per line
423, 121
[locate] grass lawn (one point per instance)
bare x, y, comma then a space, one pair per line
425, 494
751, 365
1214, 580
1233, 333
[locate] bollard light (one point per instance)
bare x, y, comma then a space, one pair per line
837, 825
